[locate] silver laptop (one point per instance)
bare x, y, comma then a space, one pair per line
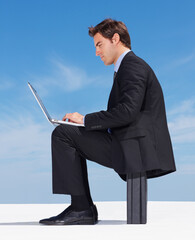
51, 120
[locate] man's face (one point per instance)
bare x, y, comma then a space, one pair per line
105, 48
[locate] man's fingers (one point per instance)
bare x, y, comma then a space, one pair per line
73, 117
65, 117
68, 116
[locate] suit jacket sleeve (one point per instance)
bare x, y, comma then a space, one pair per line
132, 77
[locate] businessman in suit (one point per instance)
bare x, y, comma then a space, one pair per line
131, 136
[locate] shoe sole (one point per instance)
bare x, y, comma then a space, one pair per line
81, 222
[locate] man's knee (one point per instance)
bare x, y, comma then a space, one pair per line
57, 132
63, 131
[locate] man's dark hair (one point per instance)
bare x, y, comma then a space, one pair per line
109, 27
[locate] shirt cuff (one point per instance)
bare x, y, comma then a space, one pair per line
84, 120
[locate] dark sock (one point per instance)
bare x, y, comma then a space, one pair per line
80, 202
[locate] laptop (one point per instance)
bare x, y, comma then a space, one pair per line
51, 120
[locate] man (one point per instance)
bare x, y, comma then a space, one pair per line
130, 137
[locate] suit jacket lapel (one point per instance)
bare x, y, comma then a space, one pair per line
115, 84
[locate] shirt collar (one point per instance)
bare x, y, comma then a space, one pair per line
119, 60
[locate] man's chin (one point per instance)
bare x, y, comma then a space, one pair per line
106, 63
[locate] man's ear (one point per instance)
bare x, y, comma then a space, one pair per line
116, 38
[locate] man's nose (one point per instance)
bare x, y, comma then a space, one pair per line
97, 52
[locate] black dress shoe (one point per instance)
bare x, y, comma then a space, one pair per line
71, 217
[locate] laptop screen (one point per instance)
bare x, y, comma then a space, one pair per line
39, 102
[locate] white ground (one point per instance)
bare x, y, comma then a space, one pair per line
166, 220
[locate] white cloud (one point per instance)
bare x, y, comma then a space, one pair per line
5, 84
23, 139
187, 106
181, 137
68, 78
182, 123
25, 158
174, 65
179, 62
64, 77
186, 168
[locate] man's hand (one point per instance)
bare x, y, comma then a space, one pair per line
73, 117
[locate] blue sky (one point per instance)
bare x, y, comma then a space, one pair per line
47, 44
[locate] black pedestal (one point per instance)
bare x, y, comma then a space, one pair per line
136, 198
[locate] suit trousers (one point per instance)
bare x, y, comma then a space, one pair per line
71, 146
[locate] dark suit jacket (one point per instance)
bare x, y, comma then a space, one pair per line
137, 118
